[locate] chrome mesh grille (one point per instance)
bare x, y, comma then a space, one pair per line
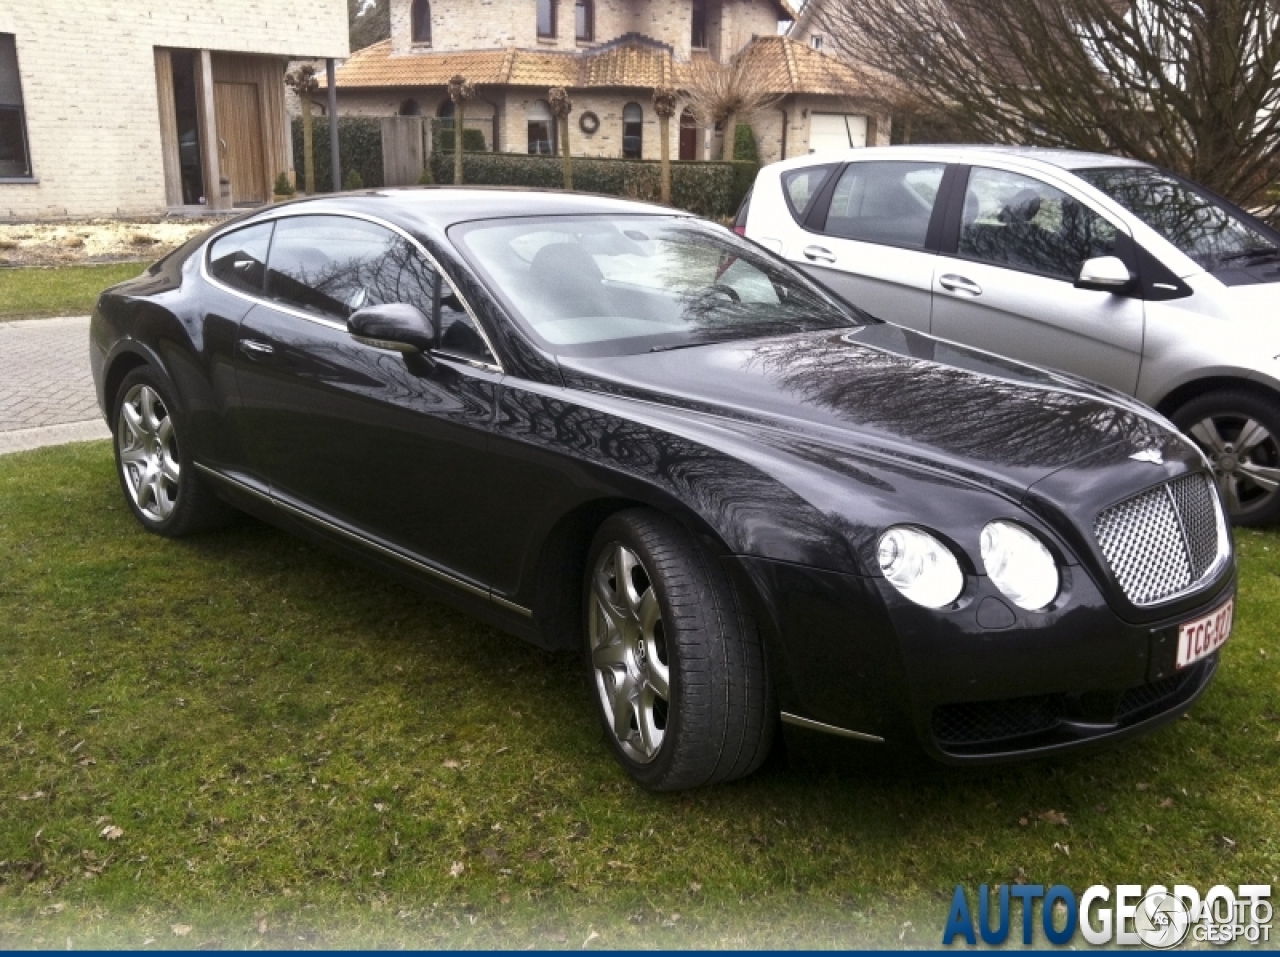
1164, 540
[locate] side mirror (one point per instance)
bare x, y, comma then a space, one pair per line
396, 326
1105, 274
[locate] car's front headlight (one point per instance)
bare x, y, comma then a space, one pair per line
920, 566
1019, 565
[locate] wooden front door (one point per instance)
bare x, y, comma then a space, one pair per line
688, 136
239, 117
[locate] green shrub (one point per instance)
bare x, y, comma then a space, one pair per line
744, 177
353, 180
283, 187
442, 139
744, 144
707, 189
359, 143
426, 179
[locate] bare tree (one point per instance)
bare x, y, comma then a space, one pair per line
368, 21
460, 90
304, 83
561, 107
728, 93
664, 104
1192, 85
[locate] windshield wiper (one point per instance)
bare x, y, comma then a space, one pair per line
1254, 255
687, 345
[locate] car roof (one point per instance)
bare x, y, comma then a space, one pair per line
439, 207
970, 152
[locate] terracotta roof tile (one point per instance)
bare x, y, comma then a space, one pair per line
631, 61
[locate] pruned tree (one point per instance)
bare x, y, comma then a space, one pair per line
561, 107
1191, 85
664, 105
727, 93
303, 82
460, 90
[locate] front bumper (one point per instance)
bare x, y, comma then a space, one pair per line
967, 686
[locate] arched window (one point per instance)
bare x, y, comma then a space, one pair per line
584, 20
542, 128
410, 108
632, 131
421, 21
546, 18
689, 134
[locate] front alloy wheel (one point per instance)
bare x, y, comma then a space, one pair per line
1240, 433
148, 449
629, 652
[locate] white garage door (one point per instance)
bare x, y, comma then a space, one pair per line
836, 131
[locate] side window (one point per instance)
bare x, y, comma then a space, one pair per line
888, 203
330, 266
1014, 220
799, 186
239, 259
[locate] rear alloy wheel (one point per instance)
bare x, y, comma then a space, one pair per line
675, 663
159, 481
1240, 433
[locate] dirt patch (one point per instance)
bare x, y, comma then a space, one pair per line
94, 240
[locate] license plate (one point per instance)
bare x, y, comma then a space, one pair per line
1202, 637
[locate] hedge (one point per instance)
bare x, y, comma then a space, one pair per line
442, 139
360, 145
708, 189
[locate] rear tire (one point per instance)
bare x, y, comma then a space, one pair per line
674, 659
153, 461
1240, 432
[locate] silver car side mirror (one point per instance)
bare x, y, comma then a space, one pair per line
1105, 274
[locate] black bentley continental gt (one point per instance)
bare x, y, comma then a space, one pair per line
604, 425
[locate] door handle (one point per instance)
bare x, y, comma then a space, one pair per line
819, 254
255, 349
958, 284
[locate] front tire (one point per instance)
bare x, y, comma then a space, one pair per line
1240, 432
674, 660
154, 464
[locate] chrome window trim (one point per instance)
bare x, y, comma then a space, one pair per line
448, 577
495, 366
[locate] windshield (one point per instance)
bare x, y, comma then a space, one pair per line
592, 286
1201, 227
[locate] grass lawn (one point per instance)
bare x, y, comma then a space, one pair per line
31, 292
244, 741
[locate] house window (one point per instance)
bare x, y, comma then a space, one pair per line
632, 131
816, 41
542, 129
422, 21
698, 25
584, 19
15, 157
547, 18
410, 108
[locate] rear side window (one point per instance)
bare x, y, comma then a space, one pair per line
239, 259
889, 203
800, 186
1017, 221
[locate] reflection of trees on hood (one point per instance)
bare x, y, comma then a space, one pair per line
951, 409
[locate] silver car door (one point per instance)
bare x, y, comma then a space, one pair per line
1005, 283
869, 243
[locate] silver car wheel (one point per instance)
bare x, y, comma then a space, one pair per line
629, 652
1245, 457
148, 451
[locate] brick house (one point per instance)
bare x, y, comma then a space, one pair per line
135, 107
610, 55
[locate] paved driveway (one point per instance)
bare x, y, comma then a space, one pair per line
46, 390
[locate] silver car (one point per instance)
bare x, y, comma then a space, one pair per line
1107, 268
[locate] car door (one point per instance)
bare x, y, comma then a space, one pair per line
390, 446
867, 238
1004, 281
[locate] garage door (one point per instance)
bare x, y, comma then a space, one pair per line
836, 131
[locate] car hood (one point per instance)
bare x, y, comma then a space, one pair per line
1254, 299
887, 391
